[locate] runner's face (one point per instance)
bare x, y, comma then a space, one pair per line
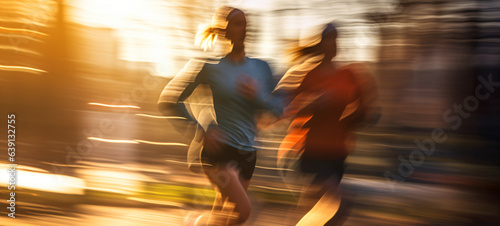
237, 27
329, 44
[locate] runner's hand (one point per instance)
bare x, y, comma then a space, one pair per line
246, 86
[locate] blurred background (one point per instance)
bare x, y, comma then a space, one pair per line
83, 78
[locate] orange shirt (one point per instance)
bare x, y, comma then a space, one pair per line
318, 128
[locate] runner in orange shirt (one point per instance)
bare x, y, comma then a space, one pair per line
327, 103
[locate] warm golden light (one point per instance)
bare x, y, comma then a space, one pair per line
160, 117
34, 179
114, 106
162, 143
136, 142
410, 137
113, 141
21, 31
21, 69
143, 29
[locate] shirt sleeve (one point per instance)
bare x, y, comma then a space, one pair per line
181, 107
171, 101
268, 99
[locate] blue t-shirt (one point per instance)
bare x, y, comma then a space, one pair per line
234, 113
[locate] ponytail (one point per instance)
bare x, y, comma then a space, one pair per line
208, 34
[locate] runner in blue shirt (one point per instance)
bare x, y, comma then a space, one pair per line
240, 87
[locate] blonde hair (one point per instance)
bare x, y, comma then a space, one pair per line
208, 34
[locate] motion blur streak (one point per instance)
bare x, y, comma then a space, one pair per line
160, 117
113, 141
158, 202
137, 141
83, 78
21, 69
162, 143
21, 31
115, 106
28, 179
21, 50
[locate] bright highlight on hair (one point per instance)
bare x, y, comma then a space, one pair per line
207, 34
